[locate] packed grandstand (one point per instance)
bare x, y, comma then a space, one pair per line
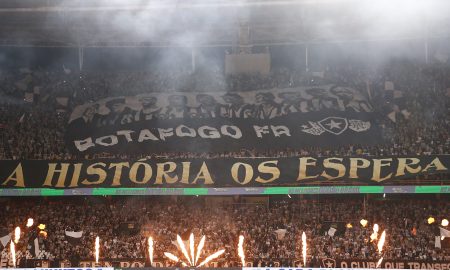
313, 152
272, 230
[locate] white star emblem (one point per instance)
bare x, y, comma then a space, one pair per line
329, 264
333, 124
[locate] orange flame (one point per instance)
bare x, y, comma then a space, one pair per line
241, 250
199, 249
16, 235
13, 253
150, 249
97, 248
304, 248
212, 257
381, 242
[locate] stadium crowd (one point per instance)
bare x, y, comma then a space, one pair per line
35, 105
272, 230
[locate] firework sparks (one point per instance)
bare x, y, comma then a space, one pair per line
374, 235
174, 258
381, 242
379, 262
241, 250
13, 252
183, 249
194, 255
16, 235
199, 249
192, 248
150, 249
30, 222
97, 248
304, 248
171, 256
212, 257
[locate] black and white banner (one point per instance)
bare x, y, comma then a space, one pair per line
214, 121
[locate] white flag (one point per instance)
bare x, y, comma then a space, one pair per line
444, 232
331, 231
437, 241
5, 240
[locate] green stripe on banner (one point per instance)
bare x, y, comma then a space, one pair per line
428, 189
276, 190
104, 191
303, 190
195, 191
52, 192
371, 189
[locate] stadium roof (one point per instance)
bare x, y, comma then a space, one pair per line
92, 23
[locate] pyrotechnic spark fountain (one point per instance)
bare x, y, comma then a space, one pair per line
16, 235
374, 235
241, 250
304, 248
30, 222
194, 255
212, 257
97, 248
199, 249
381, 242
191, 248
174, 258
183, 249
150, 249
379, 262
13, 252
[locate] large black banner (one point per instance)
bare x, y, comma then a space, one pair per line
221, 172
322, 116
